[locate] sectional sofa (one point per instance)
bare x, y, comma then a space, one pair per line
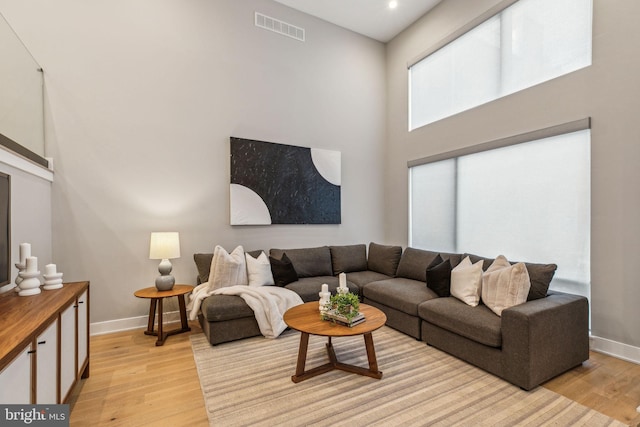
526, 345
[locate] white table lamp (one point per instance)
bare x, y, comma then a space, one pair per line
164, 246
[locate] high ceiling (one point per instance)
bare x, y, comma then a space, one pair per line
372, 18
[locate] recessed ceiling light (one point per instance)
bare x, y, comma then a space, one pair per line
393, 4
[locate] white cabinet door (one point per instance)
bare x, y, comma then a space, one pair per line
15, 379
67, 349
47, 363
83, 307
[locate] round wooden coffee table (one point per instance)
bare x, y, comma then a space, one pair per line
306, 319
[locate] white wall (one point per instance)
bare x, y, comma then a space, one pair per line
143, 97
607, 91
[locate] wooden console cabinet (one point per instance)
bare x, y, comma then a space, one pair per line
44, 344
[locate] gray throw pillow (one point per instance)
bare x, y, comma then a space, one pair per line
439, 276
282, 270
384, 259
540, 276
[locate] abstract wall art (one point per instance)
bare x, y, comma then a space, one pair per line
283, 184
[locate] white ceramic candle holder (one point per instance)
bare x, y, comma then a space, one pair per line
342, 280
52, 281
20, 267
25, 252
325, 298
30, 283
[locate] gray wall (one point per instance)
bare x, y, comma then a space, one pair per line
30, 210
607, 91
142, 97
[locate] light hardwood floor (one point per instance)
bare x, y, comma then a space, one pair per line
134, 383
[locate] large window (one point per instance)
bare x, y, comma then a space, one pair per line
529, 201
527, 43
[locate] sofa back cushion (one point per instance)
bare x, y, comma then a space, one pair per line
414, 263
384, 259
539, 274
347, 259
203, 264
486, 262
308, 262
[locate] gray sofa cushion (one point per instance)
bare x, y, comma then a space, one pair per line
479, 323
361, 278
346, 259
486, 262
414, 263
203, 263
539, 274
309, 287
218, 308
308, 262
399, 293
384, 259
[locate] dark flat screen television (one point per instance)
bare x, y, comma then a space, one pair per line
5, 229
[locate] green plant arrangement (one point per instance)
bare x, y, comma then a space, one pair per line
346, 305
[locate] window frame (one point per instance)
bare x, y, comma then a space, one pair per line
493, 12
561, 284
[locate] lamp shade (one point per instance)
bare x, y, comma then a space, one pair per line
164, 245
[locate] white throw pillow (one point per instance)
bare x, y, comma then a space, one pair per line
505, 285
466, 282
227, 269
259, 270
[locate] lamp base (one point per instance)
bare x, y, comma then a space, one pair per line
165, 282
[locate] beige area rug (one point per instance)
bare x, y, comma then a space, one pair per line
248, 382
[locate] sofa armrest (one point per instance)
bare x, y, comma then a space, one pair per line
544, 338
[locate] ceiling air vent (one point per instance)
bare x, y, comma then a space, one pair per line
280, 27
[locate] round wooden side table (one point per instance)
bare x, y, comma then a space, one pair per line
156, 298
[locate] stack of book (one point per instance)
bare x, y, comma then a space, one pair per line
332, 316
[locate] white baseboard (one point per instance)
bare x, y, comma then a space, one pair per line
140, 322
616, 349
